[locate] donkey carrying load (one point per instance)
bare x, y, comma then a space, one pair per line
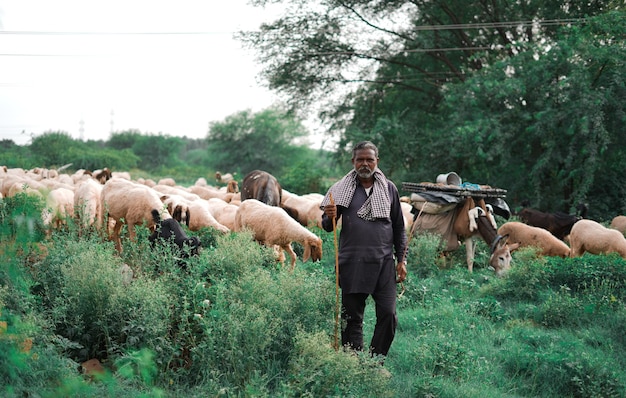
461, 215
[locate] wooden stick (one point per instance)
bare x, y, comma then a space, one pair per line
336, 345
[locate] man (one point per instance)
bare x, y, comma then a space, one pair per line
372, 238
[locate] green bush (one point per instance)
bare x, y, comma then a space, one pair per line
89, 302
423, 255
232, 322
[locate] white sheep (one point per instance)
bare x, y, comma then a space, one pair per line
26, 186
66, 179
529, 236
59, 208
14, 183
178, 207
87, 203
408, 215
303, 210
53, 183
148, 182
201, 182
127, 202
592, 237
209, 192
272, 226
314, 196
80, 175
219, 177
223, 212
119, 174
175, 190
227, 215
200, 216
167, 181
619, 223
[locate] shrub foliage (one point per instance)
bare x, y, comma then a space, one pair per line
233, 322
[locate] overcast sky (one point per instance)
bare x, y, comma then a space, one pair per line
57, 74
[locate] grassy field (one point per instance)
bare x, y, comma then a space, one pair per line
233, 323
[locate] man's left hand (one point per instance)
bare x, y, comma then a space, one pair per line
401, 272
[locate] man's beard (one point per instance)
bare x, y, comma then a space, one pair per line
365, 172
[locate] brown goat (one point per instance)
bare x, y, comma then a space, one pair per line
262, 186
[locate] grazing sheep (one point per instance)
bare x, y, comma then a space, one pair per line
200, 216
271, 226
121, 174
127, 202
201, 182
66, 179
87, 203
178, 207
211, 192
45, 173
224, 178
227, 215
216, 205
14, 183
167, 181
235, 199
314, 196
55, 183
105, 175
407, 212
31, 188
527, 235
223, 212
303, 210
175, 190
232, 187
619, 223
80, 176
592, 237
59, 208
149, 182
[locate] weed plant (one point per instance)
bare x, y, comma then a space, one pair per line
233, 322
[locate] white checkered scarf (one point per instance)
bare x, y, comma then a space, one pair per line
377, 205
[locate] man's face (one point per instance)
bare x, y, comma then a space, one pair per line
365, 162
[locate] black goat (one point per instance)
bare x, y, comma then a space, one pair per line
558, 223
170, 230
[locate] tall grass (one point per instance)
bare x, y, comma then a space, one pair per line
233, 322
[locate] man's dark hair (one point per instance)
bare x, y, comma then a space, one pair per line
364, 145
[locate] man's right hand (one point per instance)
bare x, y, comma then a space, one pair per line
330, 211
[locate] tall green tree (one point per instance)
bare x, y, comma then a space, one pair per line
390, 67
157, 151
548, 122
55, 148
124, 139
246, 141
394, 55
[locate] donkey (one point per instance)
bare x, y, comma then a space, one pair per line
465, 223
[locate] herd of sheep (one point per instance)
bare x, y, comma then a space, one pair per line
107, 201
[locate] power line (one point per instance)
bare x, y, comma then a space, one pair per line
512, 24
483, 25
51, 33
